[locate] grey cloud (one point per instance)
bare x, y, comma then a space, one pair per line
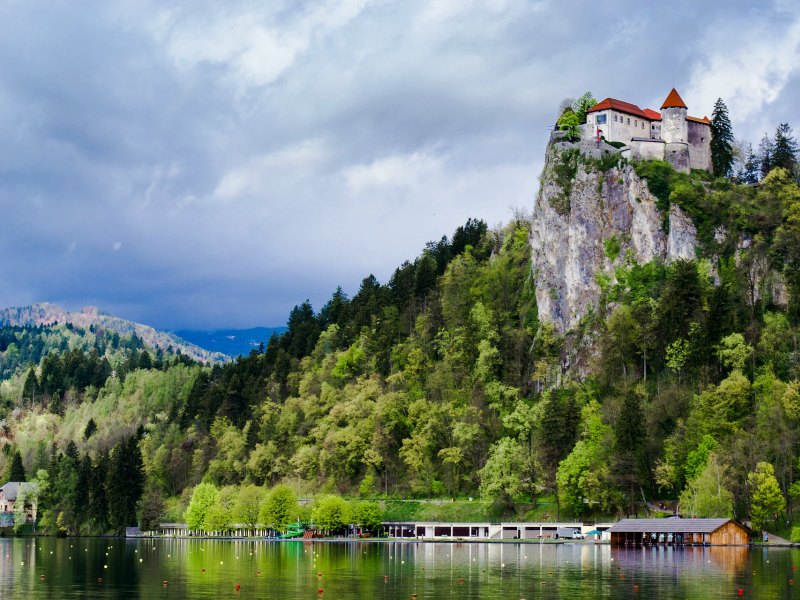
247, 156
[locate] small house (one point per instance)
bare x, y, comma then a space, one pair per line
675, 531
8, 500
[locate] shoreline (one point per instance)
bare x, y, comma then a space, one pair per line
328, 540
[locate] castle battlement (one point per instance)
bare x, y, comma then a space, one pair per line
670, 134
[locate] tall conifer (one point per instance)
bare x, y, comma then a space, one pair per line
721, 140
16, 471
785, 153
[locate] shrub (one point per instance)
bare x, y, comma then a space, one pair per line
795, 537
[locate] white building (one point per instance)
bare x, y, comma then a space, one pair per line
670, 135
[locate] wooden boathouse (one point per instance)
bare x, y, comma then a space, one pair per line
678, 532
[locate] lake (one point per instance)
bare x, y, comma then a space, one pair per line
138, 568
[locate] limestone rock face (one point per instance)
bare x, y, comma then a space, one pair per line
586, 225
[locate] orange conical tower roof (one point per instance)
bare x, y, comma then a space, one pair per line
674, 100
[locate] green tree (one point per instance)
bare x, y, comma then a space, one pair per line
501, 476
219, 516
91, 427
707, 494
583, 104
585, 481
204, 496
248, 505
766, 159
766, 499
721, 140
785, 153
280, 508
368, 515
30, 389
16, 470
569, 122
734, 352
697, 459
125, 483
150, 508
330, 514
630, 432
560, 418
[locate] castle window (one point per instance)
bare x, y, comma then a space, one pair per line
702, 139
615, 118
629, 120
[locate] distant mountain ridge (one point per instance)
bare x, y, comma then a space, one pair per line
46, 313
233, 342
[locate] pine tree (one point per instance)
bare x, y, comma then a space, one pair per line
629, 437
766, 149
125, 483
91, 427
31, 387
16, 471
785, 152
750, 171
721, 140
98, 503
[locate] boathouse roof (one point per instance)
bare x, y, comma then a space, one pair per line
669, 525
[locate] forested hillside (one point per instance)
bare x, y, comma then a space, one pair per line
443, 382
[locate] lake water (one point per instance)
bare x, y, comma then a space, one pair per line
118, 568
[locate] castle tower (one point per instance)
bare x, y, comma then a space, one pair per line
675, 131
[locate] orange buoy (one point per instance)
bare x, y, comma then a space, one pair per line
319, 590
635, 588
238, 587
740, 591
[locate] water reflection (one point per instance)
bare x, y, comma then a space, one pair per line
110, 568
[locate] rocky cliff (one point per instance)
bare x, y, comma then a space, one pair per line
587, 221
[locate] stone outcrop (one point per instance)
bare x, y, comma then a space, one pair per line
585, 224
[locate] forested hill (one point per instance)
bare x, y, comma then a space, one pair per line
46, 313
680, 382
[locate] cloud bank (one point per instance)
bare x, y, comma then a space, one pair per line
206, 164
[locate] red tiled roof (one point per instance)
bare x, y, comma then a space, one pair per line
699, 120
651, 114
620, 106
673, 100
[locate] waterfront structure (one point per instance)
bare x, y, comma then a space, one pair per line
8, 500
671, 134
707, 532
487, 531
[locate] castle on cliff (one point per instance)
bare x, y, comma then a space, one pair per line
671, 135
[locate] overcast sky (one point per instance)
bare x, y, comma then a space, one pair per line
211, 164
